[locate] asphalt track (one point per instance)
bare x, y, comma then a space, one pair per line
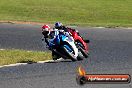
110, 52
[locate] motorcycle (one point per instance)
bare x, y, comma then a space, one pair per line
63, 46
80, 43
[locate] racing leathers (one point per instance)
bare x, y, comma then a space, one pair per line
50, 37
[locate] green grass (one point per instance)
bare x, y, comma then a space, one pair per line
20, 56
82, 12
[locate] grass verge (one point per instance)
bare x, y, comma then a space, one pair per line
22, 56
74, 12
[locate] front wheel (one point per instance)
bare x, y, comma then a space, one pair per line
55, 56
79, 57
85, 53
69, 54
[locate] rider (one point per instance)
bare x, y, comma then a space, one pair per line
45, 32
60, 26
49, 35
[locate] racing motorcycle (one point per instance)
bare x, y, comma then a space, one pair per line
80, 43
63, 46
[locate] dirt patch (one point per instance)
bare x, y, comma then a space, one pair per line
26, 22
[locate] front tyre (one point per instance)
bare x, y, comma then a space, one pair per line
69, 54
84, 52
81, 48
55, 56
79, 57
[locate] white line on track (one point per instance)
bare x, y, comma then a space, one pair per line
18, 64
10, 65
58, 60
45, 61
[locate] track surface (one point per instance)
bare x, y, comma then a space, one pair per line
110, 52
